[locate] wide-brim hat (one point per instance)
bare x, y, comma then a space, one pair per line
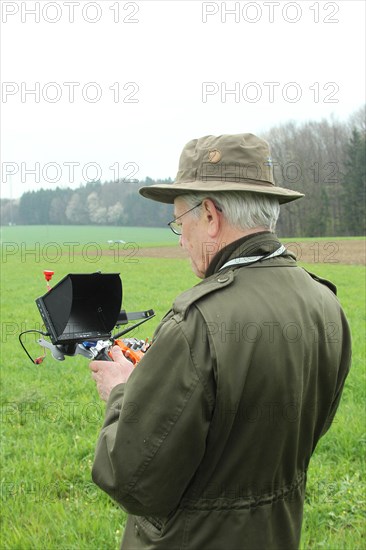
238, 162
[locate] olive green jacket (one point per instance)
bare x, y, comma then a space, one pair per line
207, 444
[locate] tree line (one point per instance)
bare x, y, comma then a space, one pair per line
96, 203
324, 159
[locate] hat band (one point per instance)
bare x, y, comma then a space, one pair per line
232, 171
228, 179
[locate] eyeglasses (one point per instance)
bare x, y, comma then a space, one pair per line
176, 227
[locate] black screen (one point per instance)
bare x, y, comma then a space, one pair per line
82, 306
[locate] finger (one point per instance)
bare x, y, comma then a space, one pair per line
99, 365
117, 354
93, 365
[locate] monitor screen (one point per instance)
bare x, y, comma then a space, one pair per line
82, 307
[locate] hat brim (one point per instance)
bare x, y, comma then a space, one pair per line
166, 193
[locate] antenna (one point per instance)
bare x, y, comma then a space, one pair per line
48, 276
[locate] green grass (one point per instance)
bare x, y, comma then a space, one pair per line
83, 234
336, 497
51, 414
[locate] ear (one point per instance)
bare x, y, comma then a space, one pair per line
213, 218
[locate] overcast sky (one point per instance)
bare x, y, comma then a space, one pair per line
115, 89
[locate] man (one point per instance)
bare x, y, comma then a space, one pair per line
206, 443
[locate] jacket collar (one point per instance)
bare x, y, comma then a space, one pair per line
256, 244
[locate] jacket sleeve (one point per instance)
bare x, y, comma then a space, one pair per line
156, 425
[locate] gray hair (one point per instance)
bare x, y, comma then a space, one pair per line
242, 210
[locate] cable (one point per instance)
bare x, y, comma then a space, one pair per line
39, 360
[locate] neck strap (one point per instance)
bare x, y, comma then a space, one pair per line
253, 259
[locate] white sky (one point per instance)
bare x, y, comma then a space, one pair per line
313, 51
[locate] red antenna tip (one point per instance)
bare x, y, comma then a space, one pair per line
48, 274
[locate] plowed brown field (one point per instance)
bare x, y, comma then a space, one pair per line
347, 251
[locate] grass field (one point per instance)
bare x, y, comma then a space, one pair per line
51, 414
83, 234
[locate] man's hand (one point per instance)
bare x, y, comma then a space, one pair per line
109, 374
